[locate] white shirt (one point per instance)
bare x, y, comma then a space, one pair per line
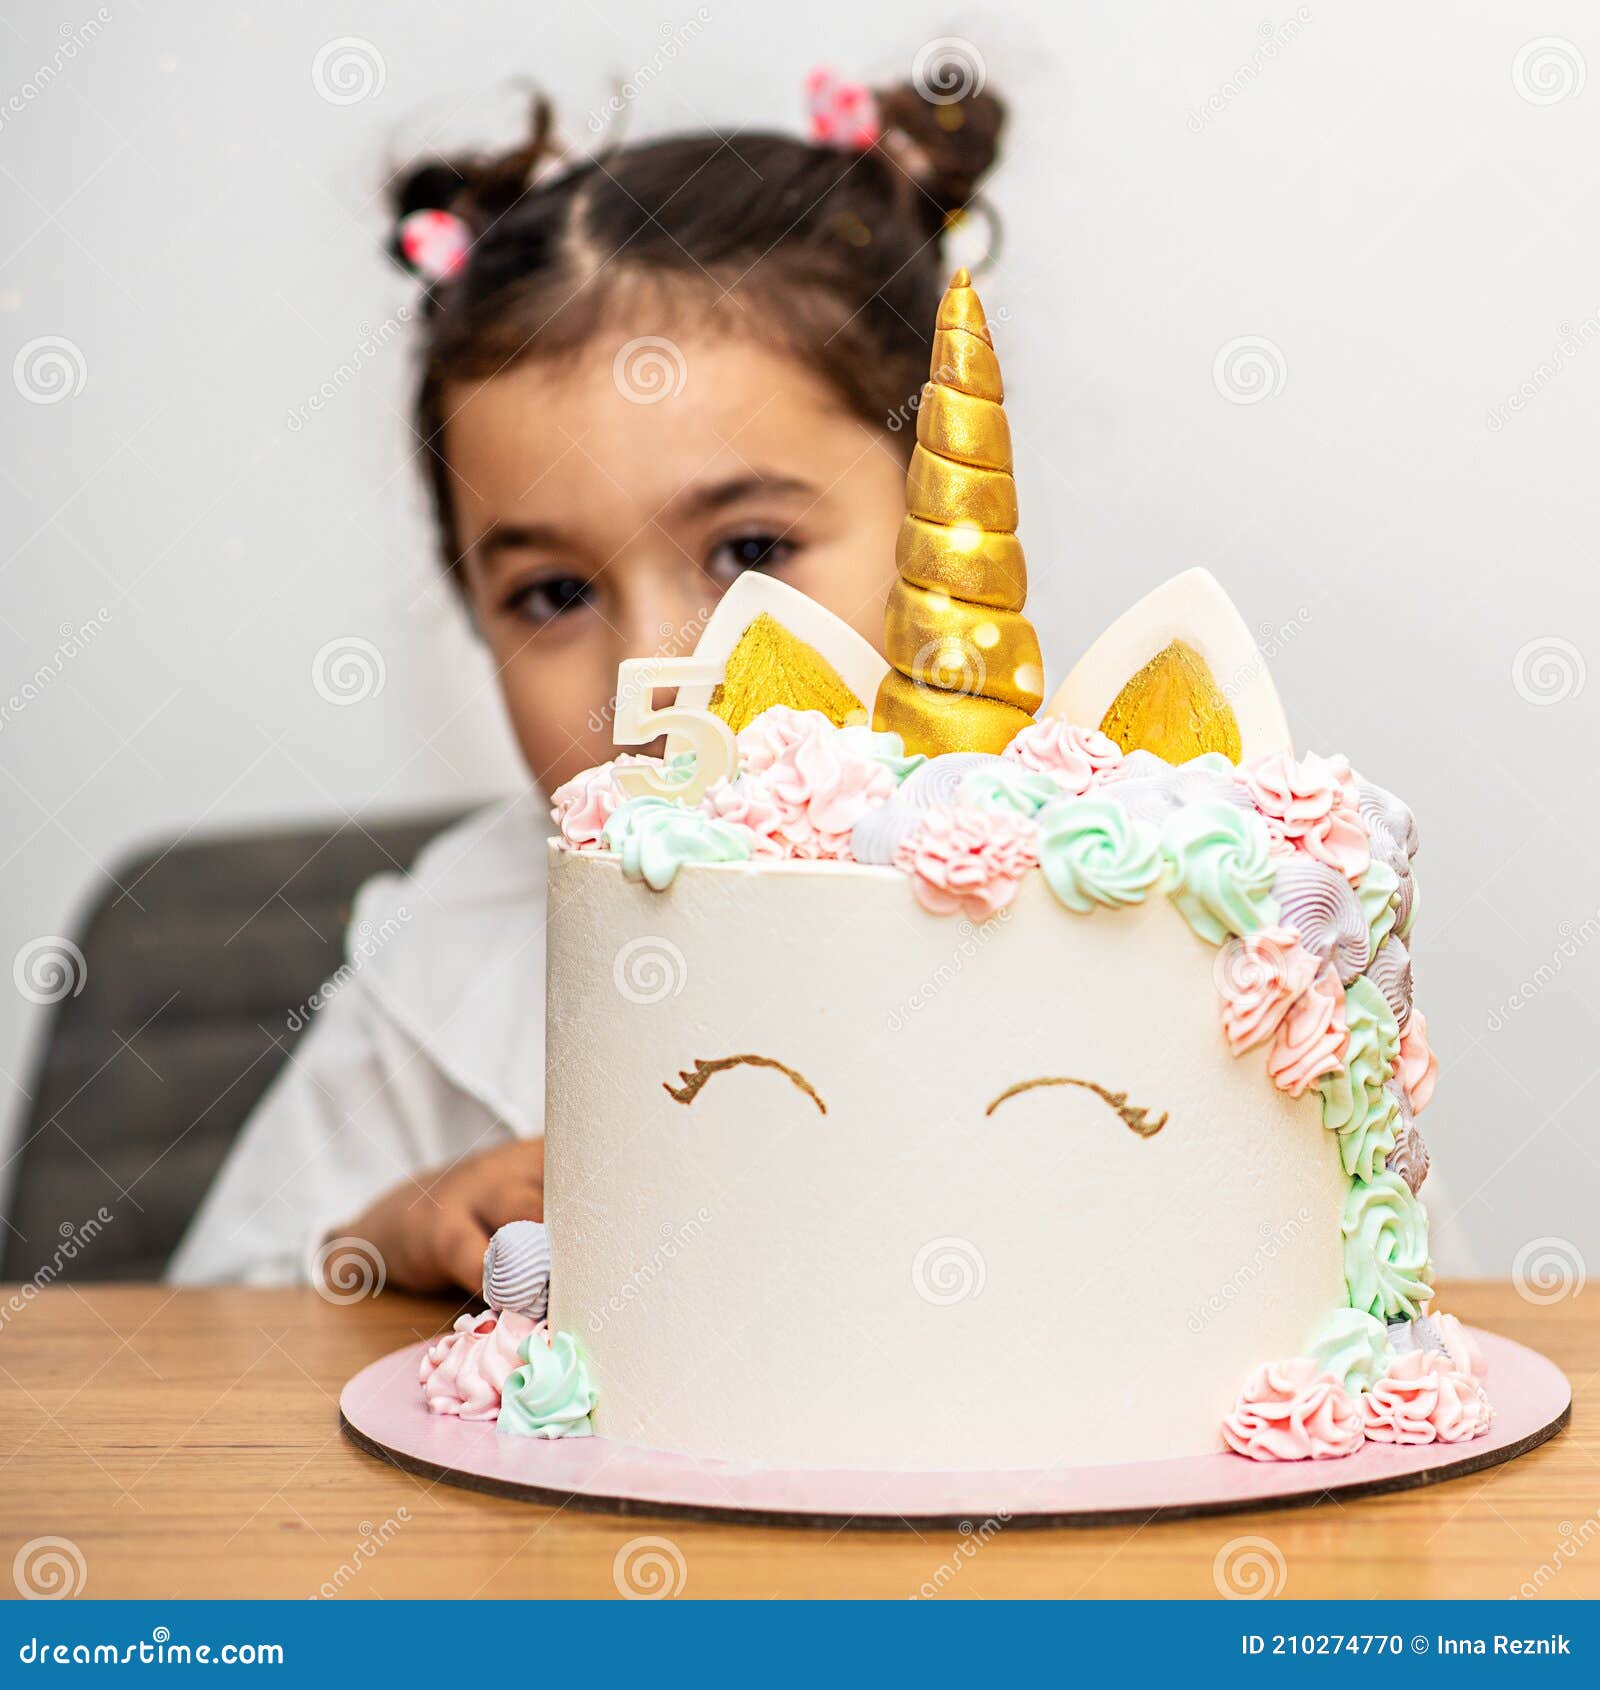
426, 1046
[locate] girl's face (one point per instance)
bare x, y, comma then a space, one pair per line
597, 527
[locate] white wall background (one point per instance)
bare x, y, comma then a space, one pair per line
1402, 201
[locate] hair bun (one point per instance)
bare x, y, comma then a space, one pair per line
948, 127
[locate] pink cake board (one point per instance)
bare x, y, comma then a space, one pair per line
382, 1412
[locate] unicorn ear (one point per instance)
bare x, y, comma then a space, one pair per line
767, 639
1179, 674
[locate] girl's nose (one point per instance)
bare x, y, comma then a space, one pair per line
665, 614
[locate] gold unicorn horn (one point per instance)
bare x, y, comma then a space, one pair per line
966, 669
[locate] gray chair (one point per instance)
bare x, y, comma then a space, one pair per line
197, 956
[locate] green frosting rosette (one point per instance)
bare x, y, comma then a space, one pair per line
1365, 1150
1377, 889
1219, 871
1353, 1095
655, 837
1096, 855
1353, 1346
886, 748
550, 1395
1008, 786
1385, 1248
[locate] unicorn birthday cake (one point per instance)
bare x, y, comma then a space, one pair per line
940, 1079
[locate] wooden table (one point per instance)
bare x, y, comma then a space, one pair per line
188, 1444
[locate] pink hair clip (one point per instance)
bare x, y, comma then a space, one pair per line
843, 114
434, 243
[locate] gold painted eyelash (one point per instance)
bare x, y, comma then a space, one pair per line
694, 1079
1131, 1115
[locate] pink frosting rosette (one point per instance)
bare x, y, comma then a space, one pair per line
747, 804
1310, 804
1291, 1411
1313, 1037
968, 861
1417, 1067
1076, 759
583, 805
1259, 976
1424, 1399
1465, 1355
465, 1371
821, 787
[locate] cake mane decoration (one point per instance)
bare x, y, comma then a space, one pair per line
464, 1372
1386, 1248
1352, 1346
550, 1395
516, 1269
965, 672
1131, 1115
1292, 1411
693, 1080
1219, 872
1096, 855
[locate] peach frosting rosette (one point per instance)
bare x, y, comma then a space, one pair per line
464, 1372
1312, 1037
1417, 1067
1259, 976
1292, 1411
1425, 1399
1310, 804
968, 861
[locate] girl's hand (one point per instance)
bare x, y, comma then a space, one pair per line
431, 1231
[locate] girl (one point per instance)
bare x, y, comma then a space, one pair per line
642, 374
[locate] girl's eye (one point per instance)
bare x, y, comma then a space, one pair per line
756, 550
543, 601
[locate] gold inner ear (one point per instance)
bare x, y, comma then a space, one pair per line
771, 666
1173, 707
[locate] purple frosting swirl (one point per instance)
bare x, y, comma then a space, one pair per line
1390, 972
1322, 907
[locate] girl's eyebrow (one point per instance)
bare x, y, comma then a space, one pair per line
718, 495
501, 537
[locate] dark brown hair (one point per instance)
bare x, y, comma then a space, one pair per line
831, 254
